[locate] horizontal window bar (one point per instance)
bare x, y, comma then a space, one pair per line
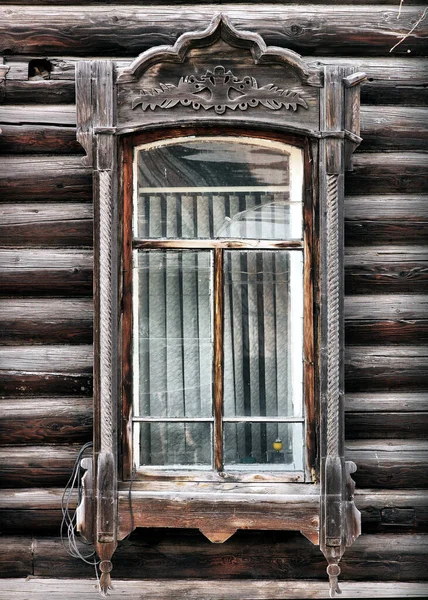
263, 419
214, 189
173, 419
240, 244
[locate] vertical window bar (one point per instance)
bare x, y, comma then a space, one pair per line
218, 359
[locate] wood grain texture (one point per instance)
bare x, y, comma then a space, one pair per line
38, 139
46, 224
45, 420
44, 177
386, 425
127, 31
370, 368
46, 91
202, 590
46, 272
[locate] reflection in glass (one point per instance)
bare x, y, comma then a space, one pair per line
173, 333
216, 187
274, 445
163, 444
263, 333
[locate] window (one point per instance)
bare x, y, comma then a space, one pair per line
217, 333
218, 197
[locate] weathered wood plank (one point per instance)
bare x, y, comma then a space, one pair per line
46, 91
205, 590
386, 269
38, 114
37, 321
27, 466
46, 224
46, 272
127, 31
39, 510
170, 554
394, 128
389, 463
54, 370
369, 425
43, 177
401, 173
371, 368
16, 558
38, 139
45, 420
387, 402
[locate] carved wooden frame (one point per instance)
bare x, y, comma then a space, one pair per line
104, 515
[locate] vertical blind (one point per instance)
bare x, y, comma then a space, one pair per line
209, 189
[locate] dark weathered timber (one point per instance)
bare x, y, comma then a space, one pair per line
17, 589
362, 233
343, 30
38, 139
392, 464
58, 321
390, 79
394, 128
401, 173
16, 559
38, 510
44, 177
173, 554
46, 91
46, 272
38, 466
372, 368
386, 425
46, 224
60, 115
386, 269
387, 402
45, 420
399, 331
53, 370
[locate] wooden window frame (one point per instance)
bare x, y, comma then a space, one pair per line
129, 243
320, 111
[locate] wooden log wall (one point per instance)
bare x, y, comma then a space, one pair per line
46, 285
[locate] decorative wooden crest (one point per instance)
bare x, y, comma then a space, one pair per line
219, 84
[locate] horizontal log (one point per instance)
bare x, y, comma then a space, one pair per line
387, 207
391, 463
386, 425
39, 510
128, 30
372, 368
38, 466
38, 114
46, 272
281, 555
57, 321
394, 173
394, 128
386, 269
46, 91
42, 177
37, 139
54, 370
46, 224
205, 590
16, 557
387, 402
397, 80
388, 319
45, 420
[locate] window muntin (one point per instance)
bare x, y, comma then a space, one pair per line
189, 194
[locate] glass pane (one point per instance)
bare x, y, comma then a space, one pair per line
173, 341
172, 444
275, 445
263, 333
218, 187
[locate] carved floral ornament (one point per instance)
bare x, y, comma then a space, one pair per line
218, 89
